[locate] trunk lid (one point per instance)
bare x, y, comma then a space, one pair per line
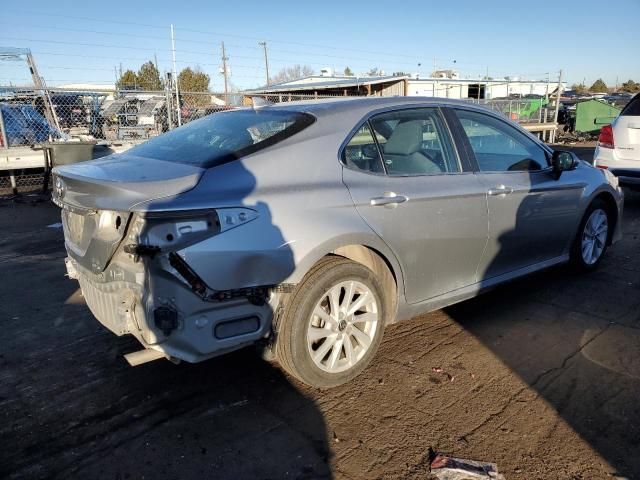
97, 199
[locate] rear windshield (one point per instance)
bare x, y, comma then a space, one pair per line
225, 136
632, 108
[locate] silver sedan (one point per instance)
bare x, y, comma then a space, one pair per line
306, 228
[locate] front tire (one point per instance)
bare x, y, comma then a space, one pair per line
593, 237
332, 324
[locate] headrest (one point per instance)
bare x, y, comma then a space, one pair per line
405, 139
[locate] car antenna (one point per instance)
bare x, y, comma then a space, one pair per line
259, 102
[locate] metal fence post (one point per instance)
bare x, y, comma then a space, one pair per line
555, 115
3, 132
167, 93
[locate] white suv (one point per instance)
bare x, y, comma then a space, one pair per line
619, 145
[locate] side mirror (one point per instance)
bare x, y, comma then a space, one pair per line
562, 161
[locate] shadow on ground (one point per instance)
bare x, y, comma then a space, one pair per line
72, 407
574, 340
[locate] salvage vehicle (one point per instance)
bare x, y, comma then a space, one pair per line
307, 227
618, 148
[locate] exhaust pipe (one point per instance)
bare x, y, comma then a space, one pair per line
144, 356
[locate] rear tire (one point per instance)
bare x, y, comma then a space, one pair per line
592, 239
332, 324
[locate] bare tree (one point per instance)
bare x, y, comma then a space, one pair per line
294, 72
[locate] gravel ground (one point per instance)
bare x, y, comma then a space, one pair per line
541, 376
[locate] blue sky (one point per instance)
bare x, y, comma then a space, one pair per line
72, 44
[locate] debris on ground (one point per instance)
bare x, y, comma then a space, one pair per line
445, 467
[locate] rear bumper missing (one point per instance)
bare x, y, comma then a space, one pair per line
148, 300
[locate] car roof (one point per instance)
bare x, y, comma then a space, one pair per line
330, 106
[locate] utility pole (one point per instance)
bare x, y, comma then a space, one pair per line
434, 67
224, 72
555, 115
266, 60
175, 75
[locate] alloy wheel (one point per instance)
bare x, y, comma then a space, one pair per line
342, 326
594, 236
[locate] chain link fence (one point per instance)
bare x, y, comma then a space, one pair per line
521, 110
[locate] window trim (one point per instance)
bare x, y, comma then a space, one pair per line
343, 148
546, 150
367, 119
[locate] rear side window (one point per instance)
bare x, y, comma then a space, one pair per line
361, 153
415, 142
222, 137
632, 108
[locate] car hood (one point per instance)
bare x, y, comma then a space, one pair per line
120, 182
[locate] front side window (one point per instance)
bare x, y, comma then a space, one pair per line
415, 142
498, 147
221, 137
361, 153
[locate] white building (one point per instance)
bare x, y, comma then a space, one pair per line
406, 86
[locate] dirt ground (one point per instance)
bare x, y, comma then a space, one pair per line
541, 376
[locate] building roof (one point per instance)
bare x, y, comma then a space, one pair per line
328, 83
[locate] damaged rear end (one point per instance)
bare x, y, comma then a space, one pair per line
132, 244
135, 280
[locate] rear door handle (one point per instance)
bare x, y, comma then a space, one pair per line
500, 190
634, 125
389, 200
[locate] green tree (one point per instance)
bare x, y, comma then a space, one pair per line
149, 77
630, 86
348, 72
191, 82
374, 72
127, 81
599, 86
579, 87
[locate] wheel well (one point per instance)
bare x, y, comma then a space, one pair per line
609, 201
377, 263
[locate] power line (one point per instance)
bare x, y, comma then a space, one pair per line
225, 34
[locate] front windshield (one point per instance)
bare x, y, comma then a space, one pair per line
221, 137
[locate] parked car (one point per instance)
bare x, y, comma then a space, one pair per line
307, 227
618, 148
24, 125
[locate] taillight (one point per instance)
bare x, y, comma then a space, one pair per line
605, 140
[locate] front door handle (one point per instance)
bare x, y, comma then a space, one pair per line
389, 200
500, 190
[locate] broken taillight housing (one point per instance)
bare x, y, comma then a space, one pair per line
605, 140
175, 230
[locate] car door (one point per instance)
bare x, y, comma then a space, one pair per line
531, 212
408, 185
